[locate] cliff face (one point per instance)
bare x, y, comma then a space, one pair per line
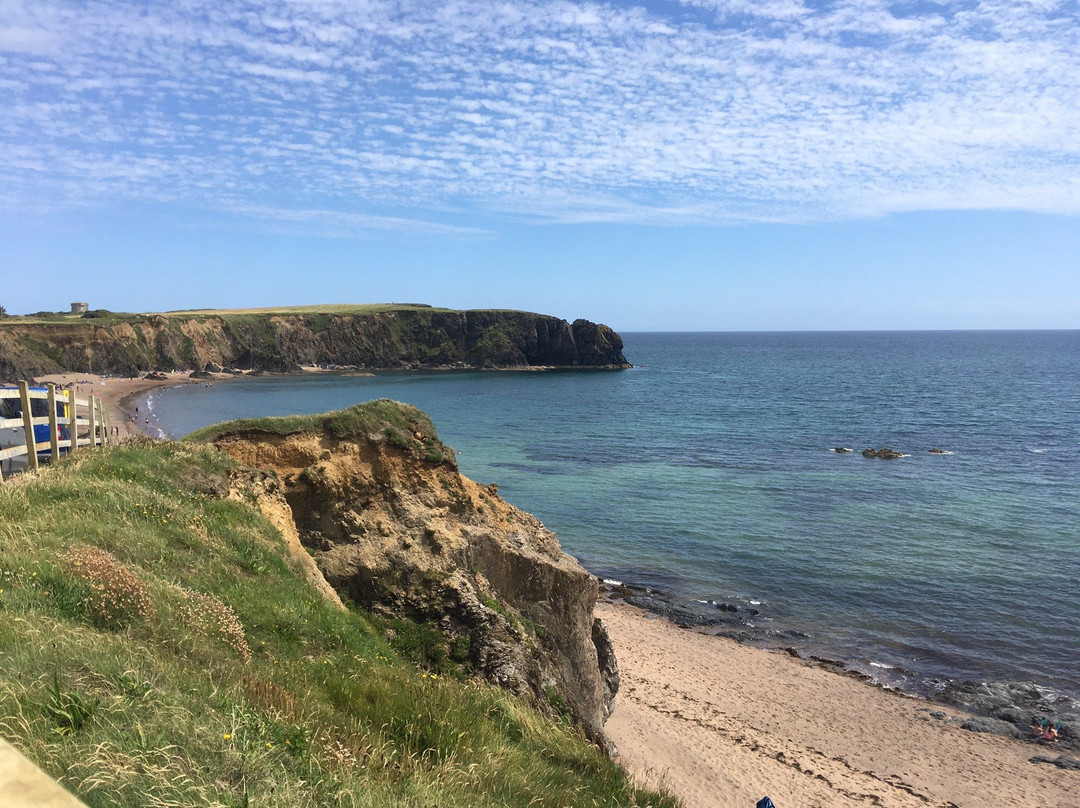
405, 337
397, 529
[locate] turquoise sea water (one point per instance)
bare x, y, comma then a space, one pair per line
706, 475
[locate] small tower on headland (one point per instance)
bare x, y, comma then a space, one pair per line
80, 308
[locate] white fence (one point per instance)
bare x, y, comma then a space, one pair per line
41, 423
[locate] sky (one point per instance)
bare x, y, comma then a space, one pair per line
684, 165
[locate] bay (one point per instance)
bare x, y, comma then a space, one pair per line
705, 476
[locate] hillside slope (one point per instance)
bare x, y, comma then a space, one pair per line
160, 645
411, 336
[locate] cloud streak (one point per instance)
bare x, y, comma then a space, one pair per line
370, 114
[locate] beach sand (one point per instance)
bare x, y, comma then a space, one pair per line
720, 724
119, 395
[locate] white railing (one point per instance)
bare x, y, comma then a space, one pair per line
72, 422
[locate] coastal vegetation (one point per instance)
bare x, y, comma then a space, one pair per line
158, 646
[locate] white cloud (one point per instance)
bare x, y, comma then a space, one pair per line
723, 111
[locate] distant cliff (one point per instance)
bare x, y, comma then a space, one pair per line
405, 337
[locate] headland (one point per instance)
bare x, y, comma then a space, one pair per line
392, 336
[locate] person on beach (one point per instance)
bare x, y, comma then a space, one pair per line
1045, 732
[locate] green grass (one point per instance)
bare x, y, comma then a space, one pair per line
104, 317
156, 648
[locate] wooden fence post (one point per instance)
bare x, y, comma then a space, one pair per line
28, 426
54, 427
93, 422
74, 420
106, 425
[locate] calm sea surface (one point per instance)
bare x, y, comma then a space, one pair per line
706, 473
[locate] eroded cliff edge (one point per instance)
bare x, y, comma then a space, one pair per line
379, 502
407, 336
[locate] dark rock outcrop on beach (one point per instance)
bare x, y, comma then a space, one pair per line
1062, 761
395, 338
379, 502
1016, 708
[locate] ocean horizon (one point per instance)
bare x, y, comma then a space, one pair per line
706, 482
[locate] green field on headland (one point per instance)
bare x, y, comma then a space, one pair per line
105, 315
157, 647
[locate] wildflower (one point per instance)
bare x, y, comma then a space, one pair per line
227, 736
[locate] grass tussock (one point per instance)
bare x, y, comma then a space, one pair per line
156, 649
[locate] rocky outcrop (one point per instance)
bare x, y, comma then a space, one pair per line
394, 337
884, 453
378, 500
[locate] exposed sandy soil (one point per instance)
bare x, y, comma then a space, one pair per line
722, 724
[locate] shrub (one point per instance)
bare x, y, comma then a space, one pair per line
208, 616
116, 594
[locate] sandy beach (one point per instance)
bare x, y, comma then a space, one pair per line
118, 395
722, 724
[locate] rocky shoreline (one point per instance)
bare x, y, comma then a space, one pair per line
1008, 709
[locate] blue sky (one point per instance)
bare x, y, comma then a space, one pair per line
693, 164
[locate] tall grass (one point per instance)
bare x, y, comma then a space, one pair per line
156, 649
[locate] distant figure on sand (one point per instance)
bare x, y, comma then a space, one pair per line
765, 802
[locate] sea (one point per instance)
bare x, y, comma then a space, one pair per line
705, 483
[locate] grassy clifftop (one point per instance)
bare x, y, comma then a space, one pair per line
157, 648
403, 425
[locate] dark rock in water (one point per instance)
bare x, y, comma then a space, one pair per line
679, 615
842, 450
1062, 762
936, 450
885, 453
992, 726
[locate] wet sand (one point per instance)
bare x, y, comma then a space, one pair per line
722, 724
